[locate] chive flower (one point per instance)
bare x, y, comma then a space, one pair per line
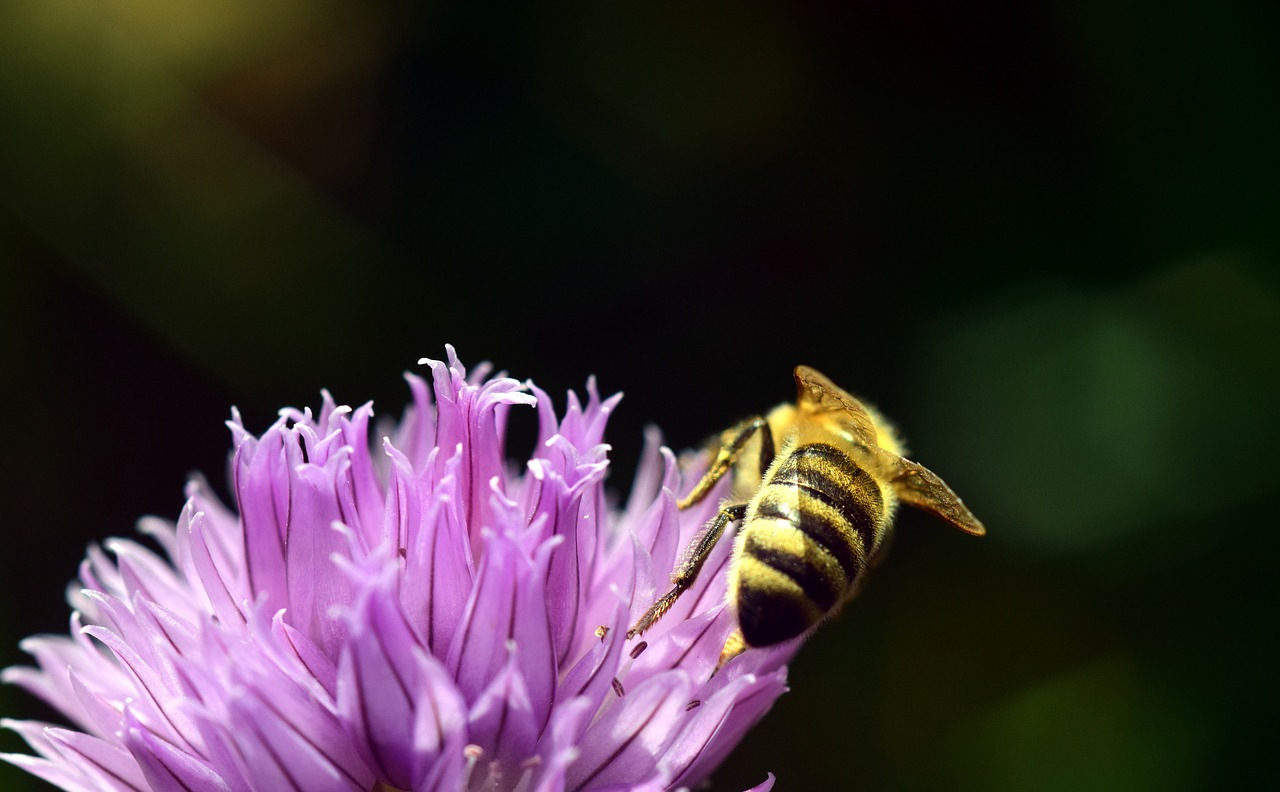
415, 614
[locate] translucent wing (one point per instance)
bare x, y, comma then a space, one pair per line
920, 487
914, 484
815, 394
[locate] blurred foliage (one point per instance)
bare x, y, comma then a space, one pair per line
1041, 236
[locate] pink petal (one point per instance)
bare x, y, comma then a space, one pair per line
439, 570
703, 726
505, 717
58, 773
415, 435
315, 584
439, 727
166, 767
626, 740
274, 746
261, 480
591, 679
506, 604
720, 723
377, 681
222, 592
150, 708
109, 764
559, 746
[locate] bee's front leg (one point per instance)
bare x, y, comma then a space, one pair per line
727, 455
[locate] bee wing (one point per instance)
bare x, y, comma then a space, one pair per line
920, 487
817, 395
914, 484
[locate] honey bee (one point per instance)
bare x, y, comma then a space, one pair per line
815, 486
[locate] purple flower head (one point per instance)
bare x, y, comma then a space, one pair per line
417, 614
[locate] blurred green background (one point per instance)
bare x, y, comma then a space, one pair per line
1042, 237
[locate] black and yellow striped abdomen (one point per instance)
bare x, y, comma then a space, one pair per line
808, 537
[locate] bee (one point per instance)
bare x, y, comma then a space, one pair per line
815, 487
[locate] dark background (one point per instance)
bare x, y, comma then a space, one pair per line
1042, 237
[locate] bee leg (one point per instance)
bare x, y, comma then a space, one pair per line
734, 645
688, 570
766, 449
730, 448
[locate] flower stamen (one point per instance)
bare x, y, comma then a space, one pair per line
472, 754
526, 777
493, 781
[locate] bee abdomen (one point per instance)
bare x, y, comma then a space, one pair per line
812, 529
771, 606
813, 570
831, 499
786, 579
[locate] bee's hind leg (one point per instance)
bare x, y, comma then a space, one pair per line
734, 645
731, 446
688, 570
